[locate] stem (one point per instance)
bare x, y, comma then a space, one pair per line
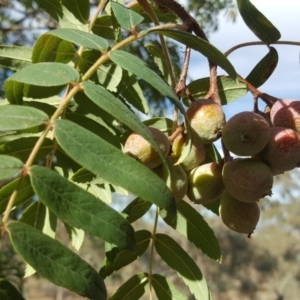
97, 12
152, 250
259, 43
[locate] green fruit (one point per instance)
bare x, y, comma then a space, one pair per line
205, 183
239, 216
207, 119
247, 179
139, 148
177, 180
282, 152
246, 133
195, 158
286, 113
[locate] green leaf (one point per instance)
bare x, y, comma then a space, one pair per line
83, 176
80, 209
165, 289
229, 89
52, 7
136, 209
161, 123
100, 158
192, 225
50, 48
34, 215
55, 262
136, 66
8, 291
79, 8
106, 101
15, 117
14, 57
110, 76
133, 288
21, 148
213, 206
257, 22
80, 38
14, 91
212, 154
178, 259
103, 27
25, 192
46, 74
127, 18
122, 258
199, 45
264, 69
9, 166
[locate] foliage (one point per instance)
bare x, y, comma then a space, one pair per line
73, 100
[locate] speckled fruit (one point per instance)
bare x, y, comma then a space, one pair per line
247, 179
239, 216
286, 113
195, 158
139, 148
246, 133
282, 152
177, 182
207, 119
205, 183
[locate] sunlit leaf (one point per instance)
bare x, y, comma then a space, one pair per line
264, 69
14, 117
80, 38
9, 166
110, 76
79, 8
100, 158
178, 259
121, 258
133, 288
46, 74
192, 225
14, 57
8, 291
127, 18
80, 209
55, 262
257, 22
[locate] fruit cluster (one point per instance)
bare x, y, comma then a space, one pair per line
267, 145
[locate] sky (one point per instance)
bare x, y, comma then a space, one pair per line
285, 81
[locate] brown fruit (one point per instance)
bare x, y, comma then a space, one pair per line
139, 148
286, 113
239, 216
282, 152
205, 183
247, 179
246, 133
177, 182
207, 119
195, 158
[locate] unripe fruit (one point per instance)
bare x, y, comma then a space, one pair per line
246, 133
177, 182
195, 158
286, 113
282, 152
239, 216
207, 119
247, 179
205, 183
139, 148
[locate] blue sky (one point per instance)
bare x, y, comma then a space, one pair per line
285, 81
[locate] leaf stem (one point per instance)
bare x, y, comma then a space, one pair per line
152, 250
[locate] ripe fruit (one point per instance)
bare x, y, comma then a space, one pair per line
196, 156
207, 119
177, 182
237, 215
139, 148
286, 113
247, 179
246, 133
205, 183
282, 152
